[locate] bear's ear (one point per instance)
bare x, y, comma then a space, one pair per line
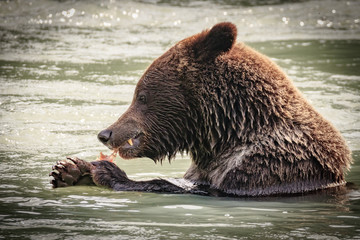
210, 43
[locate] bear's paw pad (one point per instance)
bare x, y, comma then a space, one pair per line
68, 172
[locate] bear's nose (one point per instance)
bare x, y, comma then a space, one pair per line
104, 136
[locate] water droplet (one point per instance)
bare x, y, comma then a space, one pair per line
69, 13
285, 20
134, 15
320, 22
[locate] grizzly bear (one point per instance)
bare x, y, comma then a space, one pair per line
247, 129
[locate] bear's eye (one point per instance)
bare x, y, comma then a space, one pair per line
142, 99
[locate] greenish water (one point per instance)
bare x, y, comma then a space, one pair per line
68, 69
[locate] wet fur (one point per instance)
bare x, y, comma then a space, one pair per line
247, 129
261, 136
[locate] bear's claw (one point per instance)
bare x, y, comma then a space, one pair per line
68, 172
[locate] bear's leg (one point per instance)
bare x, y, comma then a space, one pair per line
105, 173
74, 171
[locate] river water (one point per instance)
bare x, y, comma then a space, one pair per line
69, 68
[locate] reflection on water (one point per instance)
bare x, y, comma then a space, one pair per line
68, 69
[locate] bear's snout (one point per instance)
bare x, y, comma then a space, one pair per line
124, 136
104, 136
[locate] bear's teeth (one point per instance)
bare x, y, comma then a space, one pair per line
130, 142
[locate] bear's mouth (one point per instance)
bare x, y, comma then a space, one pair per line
132, 142
130, 147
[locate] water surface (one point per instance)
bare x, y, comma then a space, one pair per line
68, 69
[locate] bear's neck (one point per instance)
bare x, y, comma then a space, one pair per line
227, 118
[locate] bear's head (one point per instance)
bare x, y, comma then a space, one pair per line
165, 115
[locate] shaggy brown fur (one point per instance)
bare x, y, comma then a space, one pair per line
247, 128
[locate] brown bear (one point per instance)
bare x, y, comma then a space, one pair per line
247, 129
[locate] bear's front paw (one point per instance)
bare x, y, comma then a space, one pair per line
105, 173
70, 172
